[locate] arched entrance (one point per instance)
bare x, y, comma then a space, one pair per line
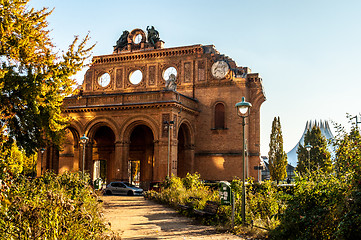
185, 151
102, 154
69, 152
141, 156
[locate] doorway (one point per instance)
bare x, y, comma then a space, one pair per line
141, 156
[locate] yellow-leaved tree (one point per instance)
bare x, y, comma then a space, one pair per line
34, 79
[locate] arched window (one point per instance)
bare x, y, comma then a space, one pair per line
219, 116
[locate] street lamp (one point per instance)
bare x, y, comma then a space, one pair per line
169, 126
308, 148
83, 141
42, 150
242, 111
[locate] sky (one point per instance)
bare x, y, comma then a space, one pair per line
307, 52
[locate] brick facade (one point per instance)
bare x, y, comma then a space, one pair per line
125, 122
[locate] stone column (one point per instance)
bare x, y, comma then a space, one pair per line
174, 157
124, 149
160, 161
76, 158
118, 162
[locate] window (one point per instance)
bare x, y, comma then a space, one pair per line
219, 116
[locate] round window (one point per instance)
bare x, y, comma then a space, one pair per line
168, 72
104, 80
136, 77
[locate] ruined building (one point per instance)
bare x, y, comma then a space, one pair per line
131, 98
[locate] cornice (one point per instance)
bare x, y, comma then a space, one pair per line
147, 54
131, 106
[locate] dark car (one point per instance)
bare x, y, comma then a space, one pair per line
122, 188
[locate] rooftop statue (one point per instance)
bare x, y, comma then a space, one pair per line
153, 35
122, 41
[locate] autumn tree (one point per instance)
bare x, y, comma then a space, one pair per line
34, 78
276, 156
319, 157
347, 149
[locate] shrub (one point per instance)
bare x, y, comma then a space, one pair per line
51, 207
264, 202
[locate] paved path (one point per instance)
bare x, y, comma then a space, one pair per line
135, 218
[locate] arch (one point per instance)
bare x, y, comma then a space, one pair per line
100, 149
69, 154
130, 123
76, 126
141, 155
185, 152
139, 132
219, 115
97, 122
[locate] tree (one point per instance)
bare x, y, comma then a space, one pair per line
34, 79
277, 157
318, 157
348, 149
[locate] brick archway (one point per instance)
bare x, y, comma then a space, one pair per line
185, 150
101, 147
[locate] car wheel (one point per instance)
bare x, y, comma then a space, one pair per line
130, 193
108, 192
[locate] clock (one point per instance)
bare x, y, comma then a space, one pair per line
219, 69
104, 80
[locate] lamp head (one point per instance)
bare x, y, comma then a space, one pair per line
242, 107
308, 147
42, 150
84, 139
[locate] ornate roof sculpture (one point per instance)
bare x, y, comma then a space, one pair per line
325, 131
137, 39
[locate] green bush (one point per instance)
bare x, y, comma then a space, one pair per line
264, 203
50, 207
316, 209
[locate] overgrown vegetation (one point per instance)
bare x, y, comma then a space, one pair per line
34, 80
50, 207
264, 202
325, 203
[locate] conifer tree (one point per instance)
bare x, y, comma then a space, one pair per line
318, 157
34, 79
276, 156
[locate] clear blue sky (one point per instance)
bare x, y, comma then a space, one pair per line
308, 52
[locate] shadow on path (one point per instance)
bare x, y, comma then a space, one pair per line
135, 218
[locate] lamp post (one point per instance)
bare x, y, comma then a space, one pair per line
42, 150
83, 141
308, 148
242, 111
168, 125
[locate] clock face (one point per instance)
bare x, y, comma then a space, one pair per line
104, 80
219, 69
138, 38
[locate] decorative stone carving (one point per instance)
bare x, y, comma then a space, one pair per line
171, 84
